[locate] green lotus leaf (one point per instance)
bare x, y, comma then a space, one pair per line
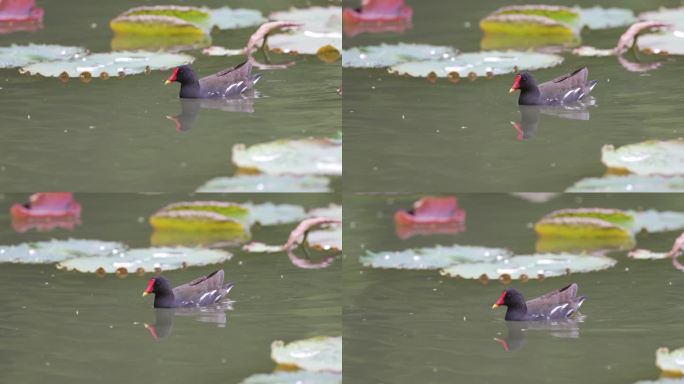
652, 157
154, 25
315, 354
530, 266
267, 183
629, 183
274, 214
46, 252
580, 227
21, 55
196, 220
385, 55
146, 260
657, 221
112, 64
291, 157
479, 64
433, 257
297, 377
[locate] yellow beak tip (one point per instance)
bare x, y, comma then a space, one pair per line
495, 306
167, 82
145, 294
511, 90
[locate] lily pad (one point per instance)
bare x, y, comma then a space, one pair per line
112, 64
559, 244
530, 266
297, 377
46, 252
629, 183
604, 18
155, 25
21, 55
259, 247
207, 239
385, 55
479, 64
234, 18
274, 214
333, 211
652, 157
197, 220
531, 20
326, 239
580, 227
236, 211
670, 362
588, 51
316, 354
267, 184
291, 157
433, 257
614, 216
654, 221
146, 260
320, 26
645, 254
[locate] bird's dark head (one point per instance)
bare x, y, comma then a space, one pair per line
183, 74
509, 297
157, 285
523, 80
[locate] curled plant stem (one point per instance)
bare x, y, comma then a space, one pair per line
677, 249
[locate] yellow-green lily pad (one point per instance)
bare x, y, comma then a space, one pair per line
317, 354
196, 220
614, 216
652, 157
580, 227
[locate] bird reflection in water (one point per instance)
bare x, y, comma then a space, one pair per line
517, 331
190, 109
529, 116
164, 318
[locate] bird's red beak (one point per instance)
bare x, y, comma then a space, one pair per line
516, 84
173, 76
150, 288
500, 301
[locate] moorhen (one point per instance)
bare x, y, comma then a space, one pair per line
569, 88
559, 304
229, 82
201, 292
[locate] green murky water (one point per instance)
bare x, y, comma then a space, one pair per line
114, 135
69, 327
417, 326
459, 137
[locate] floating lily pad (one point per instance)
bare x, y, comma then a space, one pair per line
210, 239
274, 214
297, 377
604, 18
320, 26
479, 64
654, 221
21, 55
614, 216
326, 239
172, 43
588, 51
385, 55
670, 362
433, 257
333, 211
629, 183
652, 157
258, 247
530, 266
155, 25
267, 184
112, 64
316, 354
236, 211
559, 244
146, 260
531, 20
645, 254
222, 51
229, 18
46, 252
580, 227
291, 157
198, 220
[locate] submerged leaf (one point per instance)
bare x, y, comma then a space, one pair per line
267, 183
652, 157
21, 55
385, 55
146, 260
296, 377
113, 63
315, 354
479, 64
209, 239
629, 183
433, 257
45, 252
532, 266
291, 157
